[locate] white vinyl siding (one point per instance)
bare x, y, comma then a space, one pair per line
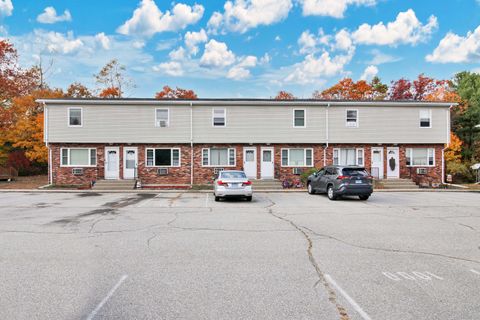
425, 116
297, 157
219, 117
299, 118
78, 157
348, 156
420, 157
162, 157
351, 118
162, 118
218, 157
75, 117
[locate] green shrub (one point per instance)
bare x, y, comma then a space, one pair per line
461, 172
306, 173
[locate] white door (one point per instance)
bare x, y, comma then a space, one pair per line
112, 162
377, 163
250, 162
267, 167
393, 165
129, 162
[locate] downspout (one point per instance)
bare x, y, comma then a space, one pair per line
45, 138
326, 136
191, 143
448, 144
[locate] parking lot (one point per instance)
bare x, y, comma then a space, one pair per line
282, 256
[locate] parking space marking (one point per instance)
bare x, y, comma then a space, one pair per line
475, 271
107, 297
350, 300
413, 275
206, 201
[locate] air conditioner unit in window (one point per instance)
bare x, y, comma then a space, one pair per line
421, 170
77, 171
162, 123
162, 171
217, 170
297, 170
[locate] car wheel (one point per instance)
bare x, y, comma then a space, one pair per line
217, 198
310, 189
364, 197
249, 198
330, 193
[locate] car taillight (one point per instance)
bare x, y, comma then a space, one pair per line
342, 177
221, 183
247, 183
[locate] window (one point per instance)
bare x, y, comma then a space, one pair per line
218, 117
420, 156
162, 118
299, 118
79, 157
351, 118
163, 157
348, 157
297, 157
425, 118
75, 116
217, 157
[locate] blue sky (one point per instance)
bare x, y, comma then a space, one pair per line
245, 48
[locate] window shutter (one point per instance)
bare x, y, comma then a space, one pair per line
175, 157
150, 158
360, 157
65, 157
285, 157
93, 157
205, 160
231, 157
308, 157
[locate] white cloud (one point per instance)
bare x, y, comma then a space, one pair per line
56, 42
103, 40
343, 40
265, 59
138, 44
312, 69
278, 38
171, 68
216, 54
456, 49
6, 8
242, 15
178, 54
369, 73
50, 16
406, 29
147, 19
192, 39
379, 57
241, 70
331, 8
308, 42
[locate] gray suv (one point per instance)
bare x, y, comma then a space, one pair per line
337, 181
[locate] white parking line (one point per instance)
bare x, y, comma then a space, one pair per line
108, 296
352, 302
475, 271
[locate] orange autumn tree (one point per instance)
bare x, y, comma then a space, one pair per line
346, 89
454, 151
112, 92
284, 95
177, 93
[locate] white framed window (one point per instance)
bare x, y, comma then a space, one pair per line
75, 117
162, 157
219, 117
78, 157
349, 156
218, 157
351, 118
299, 118
420, 157
297, 157
425, 118
162, 117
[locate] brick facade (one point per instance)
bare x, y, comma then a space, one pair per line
203, 175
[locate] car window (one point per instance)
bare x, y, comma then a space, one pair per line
321, 171
233, 175
357, 172
331, 171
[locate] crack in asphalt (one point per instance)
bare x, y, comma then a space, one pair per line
172, 200
327, 236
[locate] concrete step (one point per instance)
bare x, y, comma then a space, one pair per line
400, 187
114, 185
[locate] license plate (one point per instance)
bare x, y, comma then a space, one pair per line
358, 181
234, 185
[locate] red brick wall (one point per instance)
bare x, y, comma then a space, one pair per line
204, 175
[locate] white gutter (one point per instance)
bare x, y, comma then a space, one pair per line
50, 172
448, 142
326, 136
191, 143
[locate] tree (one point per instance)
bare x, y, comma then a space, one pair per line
423, 86
284, 95
454, 151
400, 90
110, 93
113, 76
379, 89
346, 89
177, 93
78, 90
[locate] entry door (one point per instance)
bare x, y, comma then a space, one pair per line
130, 159
377, 163
393, 165
250, 162
112, 162
267, 167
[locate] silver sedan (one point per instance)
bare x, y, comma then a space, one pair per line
232, 183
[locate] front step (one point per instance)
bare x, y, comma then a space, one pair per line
102, 185
269, 184
398, 184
